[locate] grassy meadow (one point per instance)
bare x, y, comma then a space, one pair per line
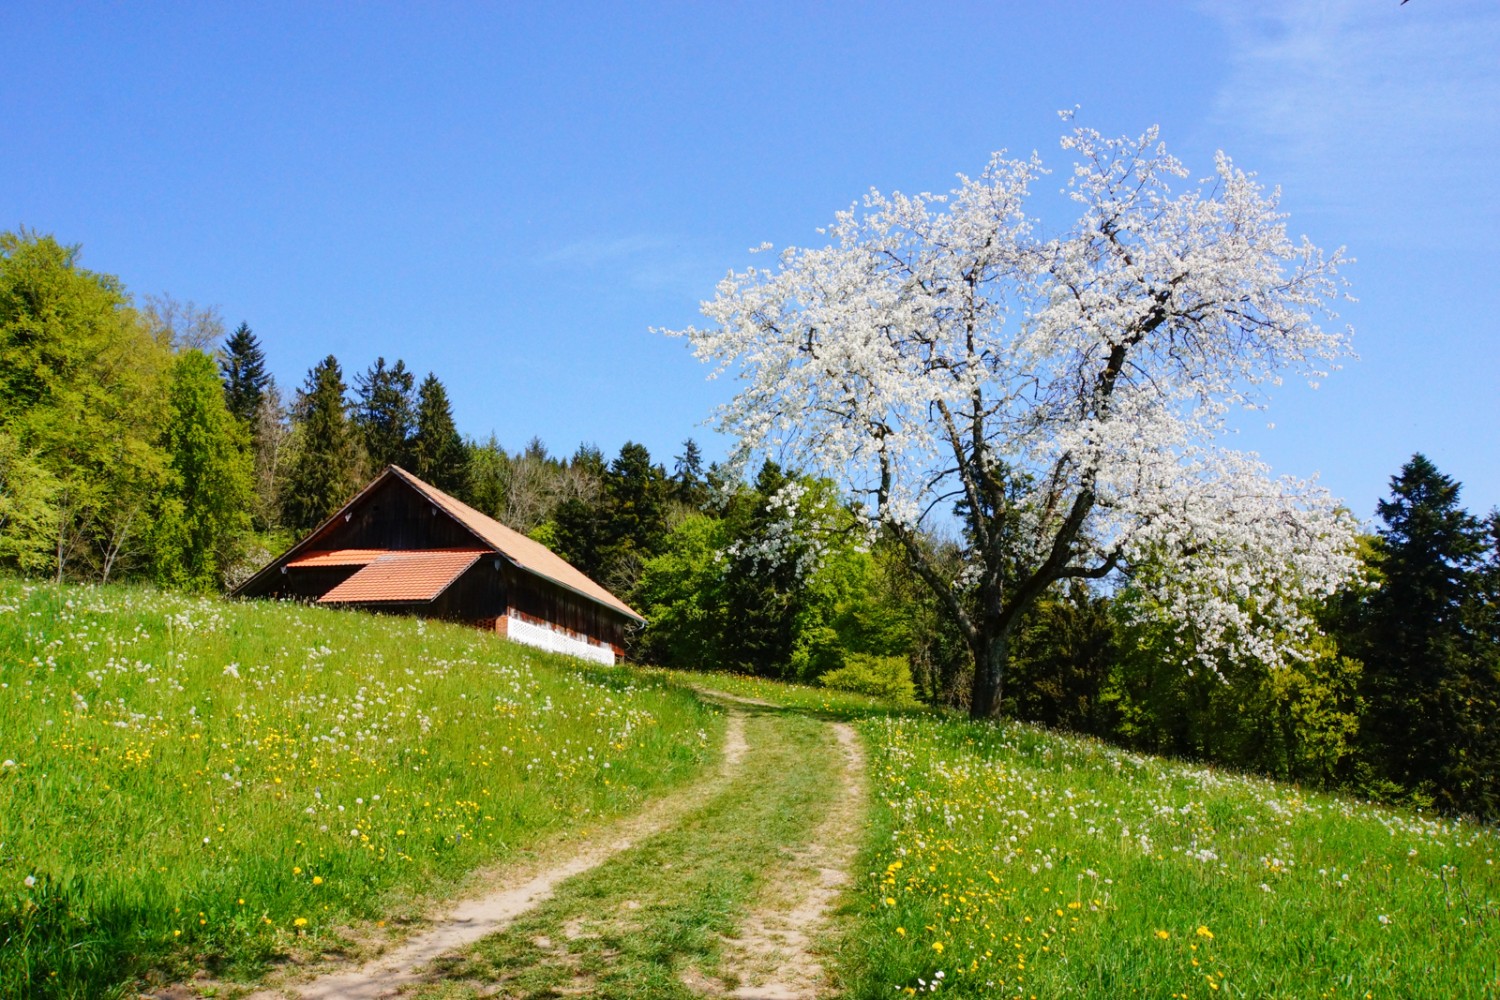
191, 783
1009, 861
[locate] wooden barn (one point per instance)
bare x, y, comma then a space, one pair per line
404, 547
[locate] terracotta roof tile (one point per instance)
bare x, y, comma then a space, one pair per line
418, 575
339, 557
529, 555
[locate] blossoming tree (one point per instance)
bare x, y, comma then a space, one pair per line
1064, 395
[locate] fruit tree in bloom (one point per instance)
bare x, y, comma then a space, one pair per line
1063, 396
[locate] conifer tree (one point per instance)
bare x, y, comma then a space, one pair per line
383, 413
688, 485
324, 473
1412, 639
437, 450
243, 369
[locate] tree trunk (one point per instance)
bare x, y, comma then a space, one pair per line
991, 657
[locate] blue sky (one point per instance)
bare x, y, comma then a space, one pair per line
512, 196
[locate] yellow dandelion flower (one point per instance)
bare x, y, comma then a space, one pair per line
937, 946
300, 922
1163, 934
1205, 932
317, 880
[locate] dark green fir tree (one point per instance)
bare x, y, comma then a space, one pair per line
325, 468
437, 452
384, 414
242, 367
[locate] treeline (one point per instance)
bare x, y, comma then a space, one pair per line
1398, 698
136, 440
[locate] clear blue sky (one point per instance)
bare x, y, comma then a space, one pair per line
512, 195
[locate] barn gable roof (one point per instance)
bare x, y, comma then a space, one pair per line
525, 553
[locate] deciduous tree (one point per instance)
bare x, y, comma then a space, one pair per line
1068, 390
204, 511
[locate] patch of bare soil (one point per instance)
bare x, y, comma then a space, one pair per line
775, 957
514, 893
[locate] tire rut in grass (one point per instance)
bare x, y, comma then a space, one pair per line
677, 916
515, 892
775, 956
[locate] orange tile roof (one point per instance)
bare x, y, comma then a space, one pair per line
417, 575
530, 555
339, 557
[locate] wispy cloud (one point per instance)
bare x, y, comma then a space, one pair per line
1369, 101
642, 261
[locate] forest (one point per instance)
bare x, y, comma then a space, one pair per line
140, 439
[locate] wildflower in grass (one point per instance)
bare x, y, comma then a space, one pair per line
937, 946
1163, 934
1204, 932
317, 880
300, 922
29, 881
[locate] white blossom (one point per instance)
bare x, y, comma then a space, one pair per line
941, 348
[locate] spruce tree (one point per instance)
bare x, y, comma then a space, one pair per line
688, 484
242, 366
324, 472
383, 412
1413, 642
437, 451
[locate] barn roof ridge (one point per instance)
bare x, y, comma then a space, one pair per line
527, 553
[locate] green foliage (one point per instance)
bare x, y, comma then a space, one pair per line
202, 514
689, 485
678, 592
383, 414
81, 392
436, 450
1061, 657
324, 470
611, 529
1296, 722
715, 601
486, 470
884, 677
28, 517
1431, 682
242, 367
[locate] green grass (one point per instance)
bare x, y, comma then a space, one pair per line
818, 700
1011, 861
181, 782
189, 783
632, 927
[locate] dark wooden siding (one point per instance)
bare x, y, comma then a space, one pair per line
540, 598
305, 584
395, 516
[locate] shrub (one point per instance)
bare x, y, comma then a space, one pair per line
886, 677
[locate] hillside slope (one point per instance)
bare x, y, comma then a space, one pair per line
192, 783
